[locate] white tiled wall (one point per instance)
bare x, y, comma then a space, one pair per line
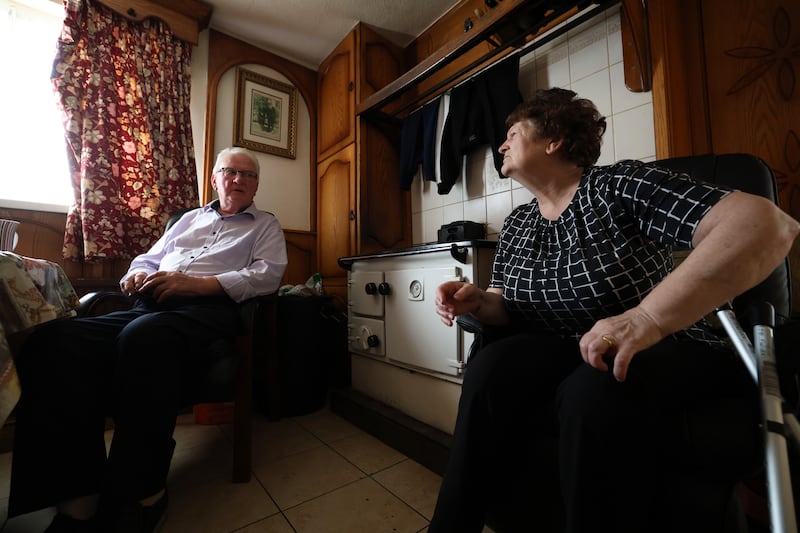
588, 60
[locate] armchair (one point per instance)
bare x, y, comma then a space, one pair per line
722, 443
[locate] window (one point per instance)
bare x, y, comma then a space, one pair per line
32, 144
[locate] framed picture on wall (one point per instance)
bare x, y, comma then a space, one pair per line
265, 118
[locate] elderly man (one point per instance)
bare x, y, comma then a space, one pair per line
133, 364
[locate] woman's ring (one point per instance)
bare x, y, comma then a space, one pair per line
609, 341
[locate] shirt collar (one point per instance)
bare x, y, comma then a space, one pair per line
214, 205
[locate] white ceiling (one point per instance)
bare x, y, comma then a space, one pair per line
306, 31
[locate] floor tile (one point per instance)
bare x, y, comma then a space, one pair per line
201, 464
31, 522
360, 507
367, 453
306, 475
274, 524
327, 426
189, 435
217, 506
276, 440
412, 483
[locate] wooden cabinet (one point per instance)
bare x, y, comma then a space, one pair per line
360, 207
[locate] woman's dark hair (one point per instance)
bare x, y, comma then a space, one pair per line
558, 114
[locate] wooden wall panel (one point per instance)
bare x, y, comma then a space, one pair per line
725, 80
41, 235
751, 49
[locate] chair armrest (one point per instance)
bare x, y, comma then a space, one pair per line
250, 310
99, 303
484, 333
470, 324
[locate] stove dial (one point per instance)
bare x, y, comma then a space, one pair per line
368, 339
415, 290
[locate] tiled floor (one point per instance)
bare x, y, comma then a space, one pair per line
312, 473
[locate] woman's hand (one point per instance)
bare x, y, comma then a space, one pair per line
455, 298
615, 340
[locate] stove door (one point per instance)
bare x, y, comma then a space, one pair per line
414, 334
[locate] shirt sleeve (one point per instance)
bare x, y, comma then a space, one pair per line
666, 205
149, 261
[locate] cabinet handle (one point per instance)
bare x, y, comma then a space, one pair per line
351, 86
351, 215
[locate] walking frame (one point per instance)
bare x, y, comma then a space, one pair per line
779, 424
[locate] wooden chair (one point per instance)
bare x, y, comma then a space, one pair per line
231, 377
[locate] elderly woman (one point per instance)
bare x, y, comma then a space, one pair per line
612, 337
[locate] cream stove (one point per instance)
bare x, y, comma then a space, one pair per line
401, 353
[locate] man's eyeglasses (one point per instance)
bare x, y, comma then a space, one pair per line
230, 172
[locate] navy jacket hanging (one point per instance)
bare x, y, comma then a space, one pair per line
418, 144
478, 111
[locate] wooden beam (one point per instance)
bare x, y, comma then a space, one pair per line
635, 46
186, 18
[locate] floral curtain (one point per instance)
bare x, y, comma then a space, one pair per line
124, 90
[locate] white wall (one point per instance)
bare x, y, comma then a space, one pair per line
285, 185
588, 60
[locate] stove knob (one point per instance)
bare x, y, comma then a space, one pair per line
373, 341
384, 288
370, 288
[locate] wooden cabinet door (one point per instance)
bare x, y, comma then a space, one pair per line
384, 210
335, 201
336, 99
380, 62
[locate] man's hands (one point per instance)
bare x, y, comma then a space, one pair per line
163, 285
132, 283
615, 340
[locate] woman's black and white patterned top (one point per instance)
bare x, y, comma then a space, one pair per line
605, 252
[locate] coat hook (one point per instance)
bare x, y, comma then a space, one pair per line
131, 12
467, 24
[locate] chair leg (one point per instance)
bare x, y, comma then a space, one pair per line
243, 419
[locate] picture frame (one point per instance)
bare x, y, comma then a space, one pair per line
265, 117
